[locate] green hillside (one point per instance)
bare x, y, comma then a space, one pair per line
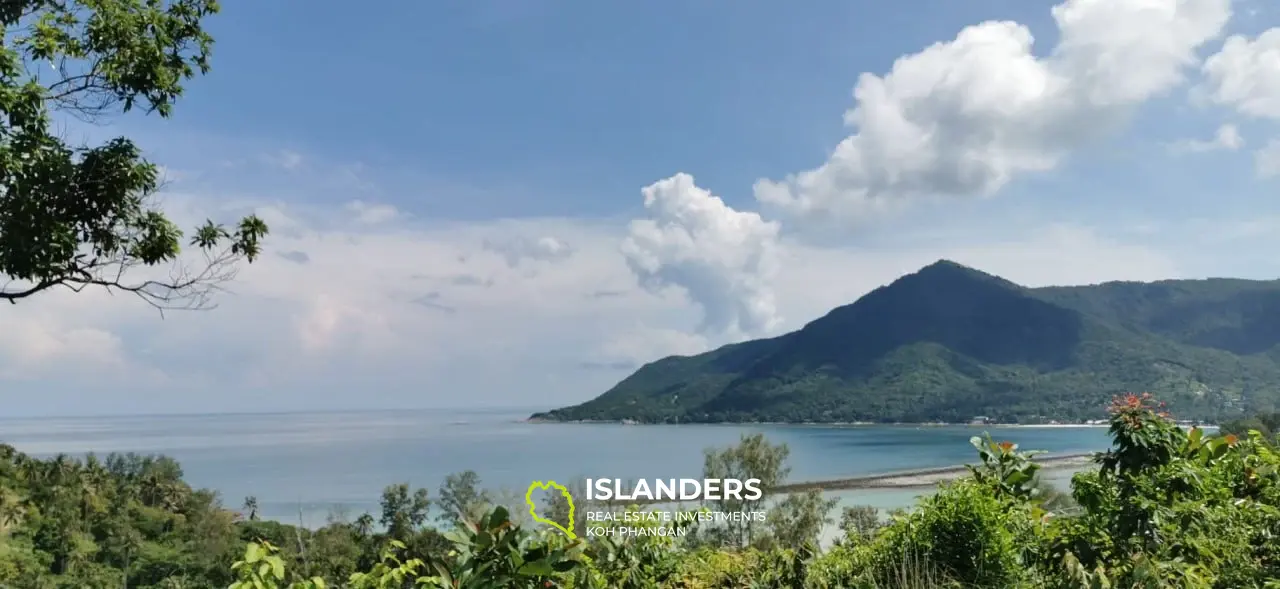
949, 343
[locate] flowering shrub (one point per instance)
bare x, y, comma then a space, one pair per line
1170, 508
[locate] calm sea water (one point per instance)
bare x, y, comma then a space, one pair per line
315, 463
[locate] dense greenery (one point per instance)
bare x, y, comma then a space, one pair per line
1163, 508
75, 216
950, 343
1267, 424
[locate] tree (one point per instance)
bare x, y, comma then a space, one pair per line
859, 521
753, 458
402, 513
461, 498
251, 507
1267, 424
78, 216
800, 518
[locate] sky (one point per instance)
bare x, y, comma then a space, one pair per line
506, 203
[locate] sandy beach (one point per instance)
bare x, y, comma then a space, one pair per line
922, 477
905, 480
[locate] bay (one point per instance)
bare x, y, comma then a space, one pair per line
302, 467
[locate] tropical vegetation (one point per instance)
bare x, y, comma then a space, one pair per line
74, 216
1163, 507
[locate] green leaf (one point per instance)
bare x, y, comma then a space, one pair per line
277, 566
252, 553
537, 568
565, 566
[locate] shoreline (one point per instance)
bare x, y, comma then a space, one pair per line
541, 421
923, 477
815, 423
920, 478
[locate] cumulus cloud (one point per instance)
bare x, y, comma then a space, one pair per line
1227, 138
959, 118
962, 118
1245, 74
722, 258
289, 335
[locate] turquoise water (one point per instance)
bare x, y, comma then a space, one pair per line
316, 463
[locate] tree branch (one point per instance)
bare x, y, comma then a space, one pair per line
186, 288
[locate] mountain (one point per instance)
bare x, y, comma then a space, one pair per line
949, 343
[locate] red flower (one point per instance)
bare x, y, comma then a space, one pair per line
1232, 439
1006, 446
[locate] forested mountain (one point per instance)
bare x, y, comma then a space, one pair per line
949, 343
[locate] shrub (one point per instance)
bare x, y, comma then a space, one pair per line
963, 533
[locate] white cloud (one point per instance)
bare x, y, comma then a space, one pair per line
373, 214
343, 330
1227, 138
964, 117
1267, 160
353, 308
1245, 74
642, 344
519, 249
722, 258
284, 159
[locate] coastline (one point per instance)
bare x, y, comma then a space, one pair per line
920, 478
816, 423
533, 420
923, 477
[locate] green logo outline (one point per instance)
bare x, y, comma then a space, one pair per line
533, 508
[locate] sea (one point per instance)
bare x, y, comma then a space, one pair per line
305, 468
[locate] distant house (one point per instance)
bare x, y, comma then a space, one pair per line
980, 420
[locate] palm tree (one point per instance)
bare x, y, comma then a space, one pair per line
364, 525
11, 510
251, 506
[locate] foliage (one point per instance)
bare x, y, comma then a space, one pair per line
262, 568
1171, 508
858, 522
462, 498
753, 458
80, 216
1266, 424
634, 561
1164, 508
964, 533
799, 519
949, 344
1009, 473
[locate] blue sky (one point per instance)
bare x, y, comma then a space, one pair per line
458, 199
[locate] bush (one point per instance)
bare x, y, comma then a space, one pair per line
964, 533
